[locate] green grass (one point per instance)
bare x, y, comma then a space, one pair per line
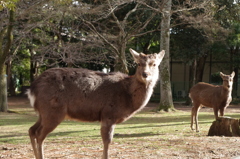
146, 124
148, 134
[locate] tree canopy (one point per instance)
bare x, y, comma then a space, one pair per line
37, 35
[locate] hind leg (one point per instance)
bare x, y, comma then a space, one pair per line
194, 115
39, 131
192, 118
32, 136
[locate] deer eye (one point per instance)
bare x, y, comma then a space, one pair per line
139, 64
154, 64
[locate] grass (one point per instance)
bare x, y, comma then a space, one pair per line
149, 131
14, 126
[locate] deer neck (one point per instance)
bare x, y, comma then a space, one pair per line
227, 90
141, 92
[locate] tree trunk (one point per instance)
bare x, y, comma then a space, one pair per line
166, 102
3, 93
5, 33
10, 81
200, 68
235, 83
192, 79
225, 126
121, 62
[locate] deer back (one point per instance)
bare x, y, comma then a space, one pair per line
83, 93
204, 93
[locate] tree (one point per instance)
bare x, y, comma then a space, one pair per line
212, 25
81, 33
233, 43
124, 21
165, 8
166, 102
6, 38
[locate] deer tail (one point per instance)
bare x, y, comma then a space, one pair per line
31, 97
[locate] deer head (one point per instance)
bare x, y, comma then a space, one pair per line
147, 70
227, 79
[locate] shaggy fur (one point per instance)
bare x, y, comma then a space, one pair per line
87, 95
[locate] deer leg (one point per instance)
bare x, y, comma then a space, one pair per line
196, 119
32, 136
194, 116
107, 130
41, 129
40, 139
215, 109
222, 111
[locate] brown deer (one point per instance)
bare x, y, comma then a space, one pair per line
90, 96
217, 97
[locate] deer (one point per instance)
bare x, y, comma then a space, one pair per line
217, 97
91, 96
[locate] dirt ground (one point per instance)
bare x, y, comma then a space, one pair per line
176, 147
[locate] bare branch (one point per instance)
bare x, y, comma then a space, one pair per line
158, 9
129, 13
147, 22
196, 5
93, 28
115, 18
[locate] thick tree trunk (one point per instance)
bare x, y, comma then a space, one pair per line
225, 126
121, 61
3, 93
6, 34
121, 64
10, 81
166, 102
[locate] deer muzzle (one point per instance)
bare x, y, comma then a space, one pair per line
145, 74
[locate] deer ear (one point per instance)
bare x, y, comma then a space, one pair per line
161, 55
233, 74
135, 55
221, 74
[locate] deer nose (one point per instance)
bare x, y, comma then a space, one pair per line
145, 75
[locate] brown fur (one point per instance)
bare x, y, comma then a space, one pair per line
86, 95
216, 97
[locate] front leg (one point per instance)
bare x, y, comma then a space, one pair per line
222, 109
215, 109
107, 129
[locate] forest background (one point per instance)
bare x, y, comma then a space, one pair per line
96, 34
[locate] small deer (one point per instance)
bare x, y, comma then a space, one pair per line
90, 96
217, 97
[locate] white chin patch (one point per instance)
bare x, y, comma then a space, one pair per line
148, 79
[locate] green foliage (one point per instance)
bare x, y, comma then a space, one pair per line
216, 78
8, 4
187, 43
21, 68
234, 37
